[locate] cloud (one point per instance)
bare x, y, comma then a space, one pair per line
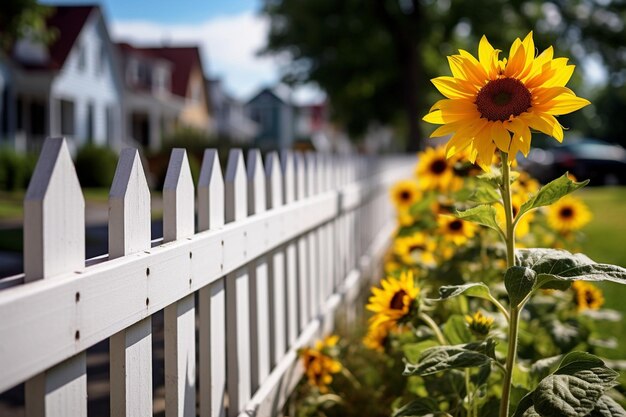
228, 44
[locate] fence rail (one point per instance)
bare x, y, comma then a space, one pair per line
277, 248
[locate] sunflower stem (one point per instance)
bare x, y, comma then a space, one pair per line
433, 326
514, 310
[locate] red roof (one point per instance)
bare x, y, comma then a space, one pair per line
185, 59
66, 22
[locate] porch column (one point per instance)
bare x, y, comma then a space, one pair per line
155, 130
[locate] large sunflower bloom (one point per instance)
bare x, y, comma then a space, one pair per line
405, 193
493, 103
393, 301
568, 214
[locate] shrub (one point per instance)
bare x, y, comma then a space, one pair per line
15, 169
95, 166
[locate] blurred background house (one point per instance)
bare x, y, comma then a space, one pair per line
71, 87
231, 120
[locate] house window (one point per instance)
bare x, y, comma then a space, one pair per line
90, 123
82, 58
37, 118
67, 118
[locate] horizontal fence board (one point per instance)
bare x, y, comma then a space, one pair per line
111, 292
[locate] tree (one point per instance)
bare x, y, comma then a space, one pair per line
374, 57
21, 18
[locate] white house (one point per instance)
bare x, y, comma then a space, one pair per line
72, 87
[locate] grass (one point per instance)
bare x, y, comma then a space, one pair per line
605, 243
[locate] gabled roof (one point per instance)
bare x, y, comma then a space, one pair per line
281, 92
185, 59
67, 22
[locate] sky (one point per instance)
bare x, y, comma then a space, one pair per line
229, 33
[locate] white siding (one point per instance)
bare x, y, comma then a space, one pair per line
94, 84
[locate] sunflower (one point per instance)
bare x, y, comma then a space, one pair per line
414, 249
587, 296
455, 230
435, 172
405, 193
319, 363
377, 335
492, 103
479, 324
394, 300
568, 214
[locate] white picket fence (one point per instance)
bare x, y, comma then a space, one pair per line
277, 249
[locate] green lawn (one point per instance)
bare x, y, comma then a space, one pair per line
606, 243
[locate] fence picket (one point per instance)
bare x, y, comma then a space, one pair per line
129, 232
180, 328
276, 266
54, 243
237, 293
291, 266
259, 285
313, 259
302, 245
212, 297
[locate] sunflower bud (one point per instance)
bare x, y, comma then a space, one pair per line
479, 324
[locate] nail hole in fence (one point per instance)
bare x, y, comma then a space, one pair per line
147, 302
190, 255
147, 271
77, 335
77, 296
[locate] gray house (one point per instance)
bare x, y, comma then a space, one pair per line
273, 110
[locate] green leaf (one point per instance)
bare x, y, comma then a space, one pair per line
418, 407
566, 396
552, 192
485, 193
413, 351
607, 407
456, 330
561, 265
443, 358
477, 289
573, 390
519, 282
483, 214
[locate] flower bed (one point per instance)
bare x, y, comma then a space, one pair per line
484, 308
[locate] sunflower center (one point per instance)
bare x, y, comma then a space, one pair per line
503, 98
416, 246
589, 298
455, 225
397, 301
566, 212
405, 195
438, 166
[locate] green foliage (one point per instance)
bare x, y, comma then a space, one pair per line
419, 407
519, 282
575, 389
475, 289
443, 358
20, 18
483, 214
551, 193
559, 267
95, 166
15, 169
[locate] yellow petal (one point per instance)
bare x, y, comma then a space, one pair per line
566, 104
434, 117
500, 136
452, 88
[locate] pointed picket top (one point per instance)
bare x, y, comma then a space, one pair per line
178, 198
273, 181
54, 215
287, 166
256, 183
311, 173
210, 192
129, 207
300, 167
236, 190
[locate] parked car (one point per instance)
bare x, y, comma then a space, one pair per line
602, 162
